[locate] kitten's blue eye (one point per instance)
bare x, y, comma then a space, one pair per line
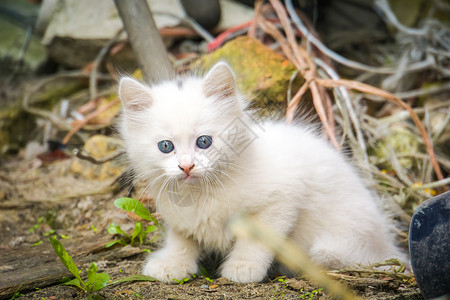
204, 141
165, 146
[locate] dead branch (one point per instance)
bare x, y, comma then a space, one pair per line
90, 159
365, 88
89, 117
54, 119
342, 60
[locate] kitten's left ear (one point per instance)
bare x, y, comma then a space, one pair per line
134, 95
220, 81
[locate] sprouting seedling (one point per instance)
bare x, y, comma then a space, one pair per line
138, 232
36, 226
95, 281
311, 294
181, 281
17, 293
132, 205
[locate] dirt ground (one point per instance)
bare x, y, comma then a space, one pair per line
50, 197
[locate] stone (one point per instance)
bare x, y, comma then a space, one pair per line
99, 147
13, 37
429, 246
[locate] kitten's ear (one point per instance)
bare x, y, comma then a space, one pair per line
220, 81
134, 95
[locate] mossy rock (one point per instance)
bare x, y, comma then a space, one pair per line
16, 128
400, 141
262, 75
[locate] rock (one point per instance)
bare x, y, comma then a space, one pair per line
233, 14
99, 147
78, 29
16, 128
13, 37
261, 72
429, 240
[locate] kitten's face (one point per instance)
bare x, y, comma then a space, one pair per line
175, 131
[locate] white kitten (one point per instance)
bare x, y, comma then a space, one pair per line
204, 159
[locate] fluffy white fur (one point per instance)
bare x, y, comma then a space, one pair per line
286, 175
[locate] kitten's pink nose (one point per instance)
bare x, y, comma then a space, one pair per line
186, 168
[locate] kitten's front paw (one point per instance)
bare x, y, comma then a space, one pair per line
169, 269
244, 271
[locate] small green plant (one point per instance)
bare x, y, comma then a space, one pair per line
132, 205
283, 280
17, 293
36, 226
276, 292
310, 295
95, 281
138, 232
181, 281
45, 221
137, 295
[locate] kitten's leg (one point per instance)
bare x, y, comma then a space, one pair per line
334, 252
176, 260
248, 261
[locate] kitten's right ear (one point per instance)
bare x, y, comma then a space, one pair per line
220, 81
134, 95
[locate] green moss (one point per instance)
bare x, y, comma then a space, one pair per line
16, 127
262, 74
54, 92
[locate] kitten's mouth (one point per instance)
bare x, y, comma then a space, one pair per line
188, 178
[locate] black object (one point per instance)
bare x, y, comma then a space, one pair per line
429, 246
205, 12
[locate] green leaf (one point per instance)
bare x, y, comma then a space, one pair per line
132, 205
115, 229
33, 228
91, 273
151, 228
112, 243
137, 232
133, 278
182, 281
100, 281
65, 258
76, 282
96, 281
153, 239
94, 297
51, 231
37, 243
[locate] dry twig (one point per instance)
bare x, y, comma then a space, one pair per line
89, 117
